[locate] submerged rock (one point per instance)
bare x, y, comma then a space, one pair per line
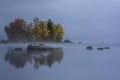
89, 47
80, 42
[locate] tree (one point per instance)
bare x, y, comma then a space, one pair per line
60, 32
15, 29
18, 30
50, 28
8, 32
40, 31
36, 20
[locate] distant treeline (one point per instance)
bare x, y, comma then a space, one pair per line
19, 30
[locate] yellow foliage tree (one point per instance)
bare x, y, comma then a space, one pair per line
42, 32
60, 32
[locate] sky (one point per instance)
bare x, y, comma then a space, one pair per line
82, 20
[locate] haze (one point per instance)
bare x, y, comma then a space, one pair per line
83, 20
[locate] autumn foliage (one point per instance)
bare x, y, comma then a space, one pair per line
19, 30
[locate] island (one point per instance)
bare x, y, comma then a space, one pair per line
38, 30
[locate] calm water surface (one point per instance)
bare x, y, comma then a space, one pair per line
71, 62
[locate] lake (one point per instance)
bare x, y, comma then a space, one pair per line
71, 62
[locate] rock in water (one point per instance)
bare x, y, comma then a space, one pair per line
40, 46
67, 41
100, 48
89, 47
106, 47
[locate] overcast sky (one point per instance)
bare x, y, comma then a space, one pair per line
83, 20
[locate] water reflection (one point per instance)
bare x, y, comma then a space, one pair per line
20, 58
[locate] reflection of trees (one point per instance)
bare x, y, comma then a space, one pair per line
50, 59
38, 58
18, 59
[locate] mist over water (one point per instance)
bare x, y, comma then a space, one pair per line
92, 25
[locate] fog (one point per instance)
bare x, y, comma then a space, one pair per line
83, 20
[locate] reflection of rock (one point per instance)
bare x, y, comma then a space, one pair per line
89, 47
36, 57
3, 41
18, 49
